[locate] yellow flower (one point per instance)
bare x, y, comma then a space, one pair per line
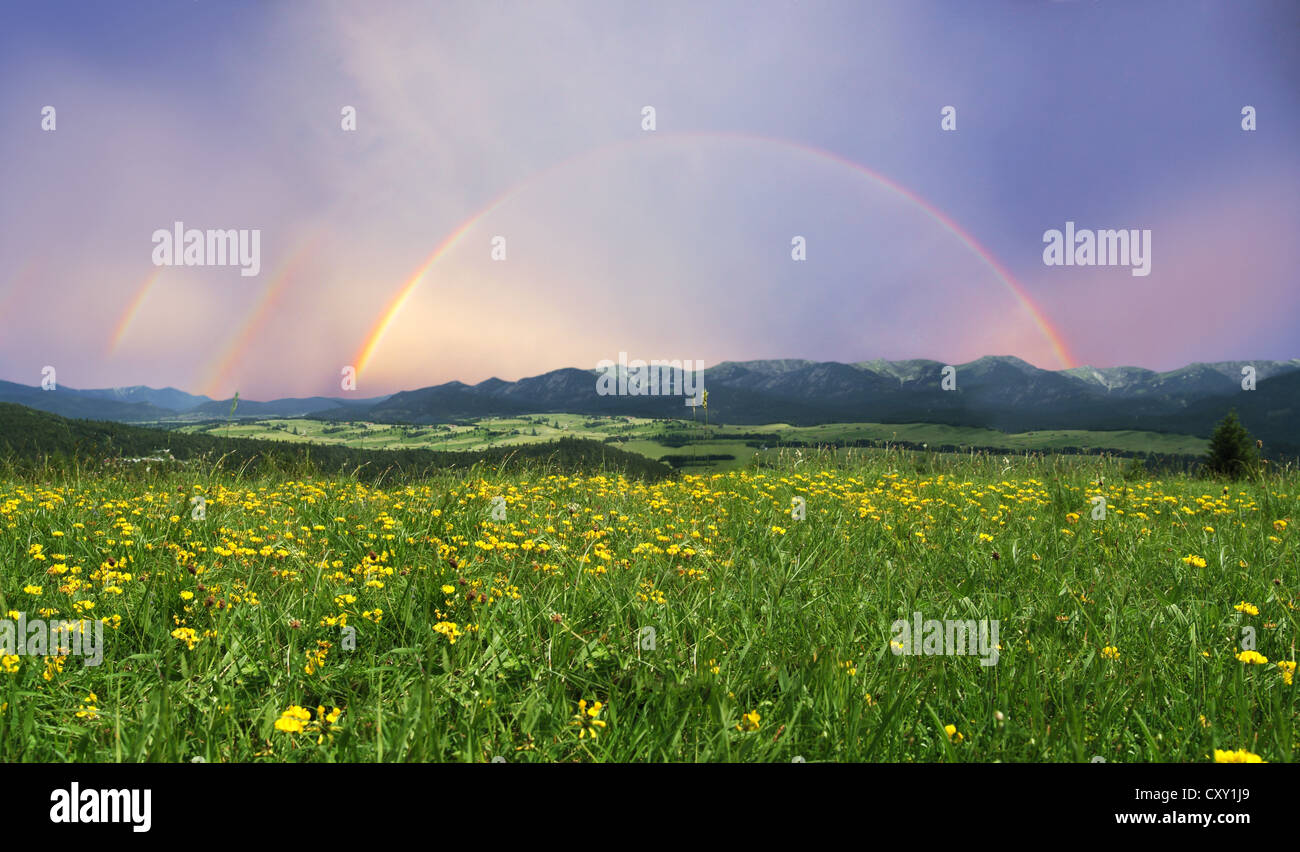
294, 720
448, 629
1252, 657
1110, 652
953, 734
186, 635
1288, 670
1279, 525
1248, 608
749, 721
90, 711
316, 658
1238, 756
1193, 559
587, 718
53, 666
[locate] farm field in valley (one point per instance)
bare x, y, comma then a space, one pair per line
689, 440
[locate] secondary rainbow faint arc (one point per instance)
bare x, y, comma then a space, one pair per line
390, 314
14, 284
256, 316
128, 316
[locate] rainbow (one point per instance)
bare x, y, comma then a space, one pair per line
219, 367
394, 308
128, 316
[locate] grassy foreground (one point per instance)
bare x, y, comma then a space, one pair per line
594, 618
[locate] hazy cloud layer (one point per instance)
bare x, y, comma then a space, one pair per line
673, 244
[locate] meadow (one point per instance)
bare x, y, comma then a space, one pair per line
531, 614
700, 447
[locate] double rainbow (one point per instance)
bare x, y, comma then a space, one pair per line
393, 310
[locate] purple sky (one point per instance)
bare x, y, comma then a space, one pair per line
668, 244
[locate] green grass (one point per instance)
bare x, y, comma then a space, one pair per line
974, 437
644, 436
752, 611
482, 434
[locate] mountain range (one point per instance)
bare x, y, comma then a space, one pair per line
141, 404
1001, 392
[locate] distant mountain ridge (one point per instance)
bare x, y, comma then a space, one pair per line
169, 398
142, 404
999, 392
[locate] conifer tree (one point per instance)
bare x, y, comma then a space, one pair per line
1232, 449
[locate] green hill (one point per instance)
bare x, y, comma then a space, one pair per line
32, 441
